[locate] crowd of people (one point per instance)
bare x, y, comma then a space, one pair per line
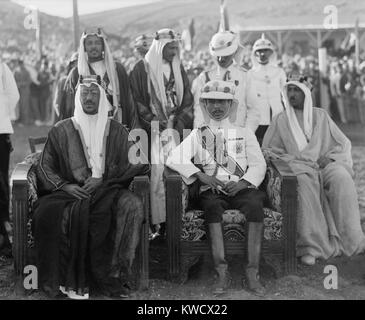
343, 85
236, 117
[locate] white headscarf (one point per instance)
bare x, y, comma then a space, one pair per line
93, 128
154, 61
84, 69
300, 137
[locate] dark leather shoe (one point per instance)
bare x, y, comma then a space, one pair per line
253, 282
223, 281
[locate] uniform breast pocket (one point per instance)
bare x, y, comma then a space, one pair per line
236, 147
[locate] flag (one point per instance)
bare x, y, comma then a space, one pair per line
224, 23
39, 35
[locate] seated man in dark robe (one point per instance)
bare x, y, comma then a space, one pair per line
95, 58
86, 222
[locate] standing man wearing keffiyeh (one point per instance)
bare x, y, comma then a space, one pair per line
161, 91
95, 58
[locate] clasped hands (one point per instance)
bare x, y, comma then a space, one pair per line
84, 192
323, 162
230, 189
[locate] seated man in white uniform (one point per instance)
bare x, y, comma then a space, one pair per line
232, 169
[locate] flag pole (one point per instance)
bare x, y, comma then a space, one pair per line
39, 35
76, 25
357, 45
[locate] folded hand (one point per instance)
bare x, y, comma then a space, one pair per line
91, 184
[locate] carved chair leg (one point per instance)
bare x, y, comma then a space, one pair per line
271, 266
144, 258
187, 261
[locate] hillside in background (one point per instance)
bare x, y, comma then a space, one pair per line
57, 32
133, 21
243, 13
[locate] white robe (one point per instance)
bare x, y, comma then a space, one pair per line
328, 218
9, 97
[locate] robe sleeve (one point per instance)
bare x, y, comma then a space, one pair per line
124, 167
10, 90
67, 99
273, 145
184, 115
139, 87
129, 112
48, 169
340, 151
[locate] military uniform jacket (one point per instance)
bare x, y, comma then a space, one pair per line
264, 85
237, 143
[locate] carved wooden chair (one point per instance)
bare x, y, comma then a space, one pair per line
186, 234
24, 195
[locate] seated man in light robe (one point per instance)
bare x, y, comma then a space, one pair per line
328, 221
232, 169
86, 222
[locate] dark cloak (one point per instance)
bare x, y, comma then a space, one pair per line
139, 86
79, 242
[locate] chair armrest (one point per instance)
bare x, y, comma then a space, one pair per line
280, 180
20, 211
283, 169
20, 173
282, 190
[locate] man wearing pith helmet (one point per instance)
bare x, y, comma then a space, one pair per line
264, 84
224, 47
231, 169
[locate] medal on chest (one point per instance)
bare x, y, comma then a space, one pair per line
238, 148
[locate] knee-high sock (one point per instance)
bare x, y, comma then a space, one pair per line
254, 244
217, 243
